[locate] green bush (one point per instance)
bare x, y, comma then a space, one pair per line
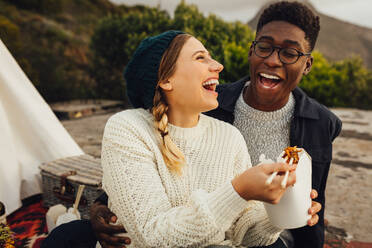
115, 40
346, 83
43, 6
116, 37
54, 52
235, 60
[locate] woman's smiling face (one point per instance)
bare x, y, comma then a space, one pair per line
192, 86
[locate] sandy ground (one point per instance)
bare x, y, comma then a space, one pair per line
349, 188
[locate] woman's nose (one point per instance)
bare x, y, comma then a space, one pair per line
215, 66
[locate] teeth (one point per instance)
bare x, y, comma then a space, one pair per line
269, 76
211, 82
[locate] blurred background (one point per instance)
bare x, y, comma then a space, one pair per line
77, 49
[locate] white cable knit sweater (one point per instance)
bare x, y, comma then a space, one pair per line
199, 208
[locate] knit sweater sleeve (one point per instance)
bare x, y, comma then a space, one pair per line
139, 199
253, 227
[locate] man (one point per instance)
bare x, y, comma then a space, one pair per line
271, 111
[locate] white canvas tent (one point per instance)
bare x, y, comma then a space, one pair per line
30, 134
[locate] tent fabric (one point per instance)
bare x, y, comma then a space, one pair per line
30, 134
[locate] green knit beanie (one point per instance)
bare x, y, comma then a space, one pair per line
141, 73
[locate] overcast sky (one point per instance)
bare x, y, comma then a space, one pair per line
354, 11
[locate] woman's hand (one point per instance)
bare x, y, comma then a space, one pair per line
251, 185
314, 210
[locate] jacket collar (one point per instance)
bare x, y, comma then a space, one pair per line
305, 107
228, 94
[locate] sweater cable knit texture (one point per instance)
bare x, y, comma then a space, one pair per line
199, 208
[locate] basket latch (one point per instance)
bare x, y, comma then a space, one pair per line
66, 192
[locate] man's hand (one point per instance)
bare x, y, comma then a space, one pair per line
101, 217
315, 208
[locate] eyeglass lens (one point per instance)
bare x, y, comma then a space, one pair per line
286, 55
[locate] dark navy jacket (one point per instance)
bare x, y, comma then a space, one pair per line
314, 128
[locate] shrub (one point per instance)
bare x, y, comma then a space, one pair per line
346, 83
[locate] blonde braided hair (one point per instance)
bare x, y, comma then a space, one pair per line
172, 155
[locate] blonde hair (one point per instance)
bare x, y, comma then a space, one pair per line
172, 155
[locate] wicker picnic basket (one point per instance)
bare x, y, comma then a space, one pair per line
61, 179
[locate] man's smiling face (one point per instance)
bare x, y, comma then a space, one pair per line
271, 80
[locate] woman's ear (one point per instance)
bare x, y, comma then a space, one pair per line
165, 85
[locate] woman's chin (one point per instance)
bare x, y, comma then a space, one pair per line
210, 106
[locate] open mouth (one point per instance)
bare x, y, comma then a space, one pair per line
269, 81
211, 85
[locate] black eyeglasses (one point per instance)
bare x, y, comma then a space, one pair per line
286, 55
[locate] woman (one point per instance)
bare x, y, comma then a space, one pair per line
175, 177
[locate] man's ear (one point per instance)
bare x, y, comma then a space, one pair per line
165, 85
250, 51
309, 64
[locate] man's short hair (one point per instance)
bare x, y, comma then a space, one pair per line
295, 13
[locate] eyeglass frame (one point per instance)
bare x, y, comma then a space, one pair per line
300, 54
